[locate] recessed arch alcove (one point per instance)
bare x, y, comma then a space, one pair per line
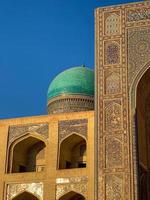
27, 154
72, 196
140, 130
72, 152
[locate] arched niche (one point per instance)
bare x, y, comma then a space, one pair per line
140, 128
72, 196
72, 152
27, 154
25, 196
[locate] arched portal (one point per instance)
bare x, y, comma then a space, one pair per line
27, 155
25, 196
72, 152
143, 135
72, 196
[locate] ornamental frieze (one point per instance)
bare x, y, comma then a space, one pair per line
19, 130
68, 127
72, 180
138, 14
15, 189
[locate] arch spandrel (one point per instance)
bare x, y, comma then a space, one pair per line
25, 136
15, 189
77, 184
133, 86
138, 51
67, 127
19, 130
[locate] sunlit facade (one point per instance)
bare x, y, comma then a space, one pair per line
94, 142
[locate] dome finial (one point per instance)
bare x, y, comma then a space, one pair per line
83, 65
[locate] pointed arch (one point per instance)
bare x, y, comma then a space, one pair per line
72, 196
74, 133
133, 87
72, 152
26, 195
138, 94
24, 151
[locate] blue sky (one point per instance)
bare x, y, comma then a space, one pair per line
39, 39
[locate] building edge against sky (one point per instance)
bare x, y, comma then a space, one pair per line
122, 74
59, 156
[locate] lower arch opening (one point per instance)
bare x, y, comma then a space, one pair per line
25, 196
72, 196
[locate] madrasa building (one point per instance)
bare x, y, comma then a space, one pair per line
94, 143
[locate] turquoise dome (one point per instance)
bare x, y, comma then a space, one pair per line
73, 81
